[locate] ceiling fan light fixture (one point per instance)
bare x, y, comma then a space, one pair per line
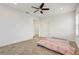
40, 8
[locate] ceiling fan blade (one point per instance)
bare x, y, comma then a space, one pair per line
41, 6
41, 12
36, 11
45, 8
35, 7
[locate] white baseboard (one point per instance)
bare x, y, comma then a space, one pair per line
13, 42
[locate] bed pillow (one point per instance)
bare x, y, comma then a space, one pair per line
60, 46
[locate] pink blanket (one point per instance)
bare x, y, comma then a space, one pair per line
60, 46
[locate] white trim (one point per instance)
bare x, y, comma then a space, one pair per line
77, 24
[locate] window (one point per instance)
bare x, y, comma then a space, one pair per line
77, 24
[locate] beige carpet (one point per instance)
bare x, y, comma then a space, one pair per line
28, 47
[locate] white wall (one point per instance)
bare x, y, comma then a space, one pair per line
61, 26
14, 26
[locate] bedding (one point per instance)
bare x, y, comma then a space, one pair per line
57, 45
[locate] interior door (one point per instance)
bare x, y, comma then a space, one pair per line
44, 28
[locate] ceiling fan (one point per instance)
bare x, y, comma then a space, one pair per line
40, 8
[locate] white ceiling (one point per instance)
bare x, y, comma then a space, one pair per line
55, 8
